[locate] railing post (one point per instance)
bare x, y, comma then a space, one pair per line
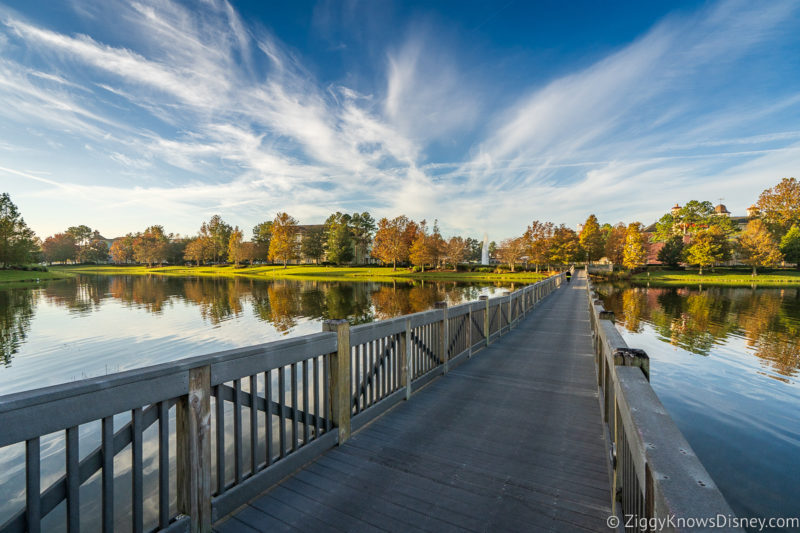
444, 341
508, 310
340, 401
193, 450
633, 357
485, 318
407, 367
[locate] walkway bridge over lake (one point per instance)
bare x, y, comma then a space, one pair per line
525, 412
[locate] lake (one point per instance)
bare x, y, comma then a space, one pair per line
725, 363
88, 326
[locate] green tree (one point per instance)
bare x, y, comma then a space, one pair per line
18, 243
758, 247
362, 227
339, 239
634, 253
151, 246
262, 234
592, 239
97, 251
790, 245
220, 234
312, 245
708, 247
693, 217
780, 206
672, 251
283, 242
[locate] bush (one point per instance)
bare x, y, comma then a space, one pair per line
416, 269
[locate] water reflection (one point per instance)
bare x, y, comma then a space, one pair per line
283, 304
698, 319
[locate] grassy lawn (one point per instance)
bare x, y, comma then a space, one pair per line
8, 277
307, 272
720, 277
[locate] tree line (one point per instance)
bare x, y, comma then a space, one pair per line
694, 234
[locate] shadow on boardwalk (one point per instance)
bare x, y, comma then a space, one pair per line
511, 440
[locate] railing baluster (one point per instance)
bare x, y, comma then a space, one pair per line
295, 410
220, 405
163, 464
253, 422
306, 409
73, 481
362, 383
316, 396
281, 415
107, 444
326, 398
371, 360
33, 484
237, 430
137, 474
268, 448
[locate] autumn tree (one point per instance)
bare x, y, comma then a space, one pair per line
780, 206
390, 245
198, 250
511, 250
564, 245
18, 243
283, 242
758, 247
592, 239
338, 238
672, 251
150, 246
312, 245
122, 249
235, 251
437, 244
59, 248
634, 252
615, 243
538, 237
421, 252
708, 247
790, 245
455, 251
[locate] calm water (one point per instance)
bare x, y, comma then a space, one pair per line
726, 364
94, 325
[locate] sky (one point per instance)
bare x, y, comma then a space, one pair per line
483, 115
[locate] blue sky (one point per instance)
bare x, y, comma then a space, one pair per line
485, 115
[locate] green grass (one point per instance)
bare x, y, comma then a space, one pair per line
306, 272
13, 277
720, 277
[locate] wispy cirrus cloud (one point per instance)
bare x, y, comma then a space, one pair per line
197, 111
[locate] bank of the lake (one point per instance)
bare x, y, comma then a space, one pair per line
18, 277
738, 277
307, 273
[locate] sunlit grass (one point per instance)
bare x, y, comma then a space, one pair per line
720, 277
26, 276
306, 272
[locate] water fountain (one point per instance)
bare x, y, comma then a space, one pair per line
485, 249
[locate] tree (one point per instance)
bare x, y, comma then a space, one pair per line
634, 253
790, 245
150, 247
538, 236
235, 251
421, 252
97, 251
251, 251
339, 239
708, 247
758, 247
492, 250
312, 245
473, 249
780, 206
693, 217
220, 234
122, 249
176, 249
283, 242
564, 245
511, 250
18, 243
672, 251
362, 227
59, 248
592, 239
436, 244
197, 250
455, 251
262, 234
615, 243
390, 244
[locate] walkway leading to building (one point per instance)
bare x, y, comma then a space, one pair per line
511, 440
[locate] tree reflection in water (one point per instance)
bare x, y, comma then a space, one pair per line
695, 319
16, 311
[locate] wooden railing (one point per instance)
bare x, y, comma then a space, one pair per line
656, 474
192, 440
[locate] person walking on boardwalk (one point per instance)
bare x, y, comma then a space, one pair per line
569, 275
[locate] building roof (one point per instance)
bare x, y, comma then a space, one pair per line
721, 209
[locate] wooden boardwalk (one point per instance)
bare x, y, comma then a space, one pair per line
511, 440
